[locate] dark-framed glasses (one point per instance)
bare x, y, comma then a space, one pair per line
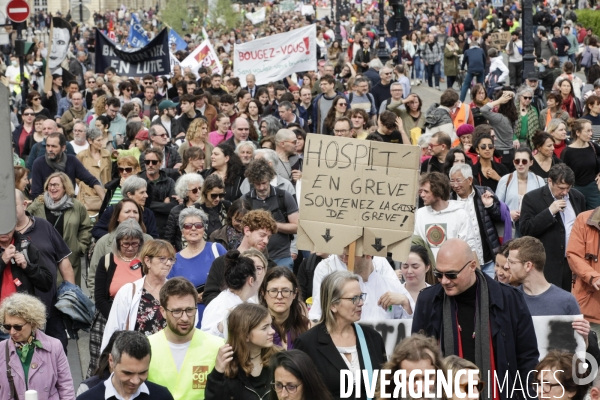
450, 275
278, 386
356, 299
285, 293
190, 312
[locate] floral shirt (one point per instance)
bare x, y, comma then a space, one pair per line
149, 318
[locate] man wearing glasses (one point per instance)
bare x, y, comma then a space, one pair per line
382, 90
438, 149
289, 162
361, 98
548, 214
478, 319
187, 354
90, 86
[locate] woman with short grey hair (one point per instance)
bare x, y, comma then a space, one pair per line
197, 256
132, 188
528, 122
188, 188
338, 335
269, 126
122, 265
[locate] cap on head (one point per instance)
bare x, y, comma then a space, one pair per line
167, 104
142, 135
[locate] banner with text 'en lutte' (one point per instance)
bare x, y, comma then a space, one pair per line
274, 57
358, 190
151, 59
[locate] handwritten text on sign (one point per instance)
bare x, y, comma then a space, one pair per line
355, 189
275, 57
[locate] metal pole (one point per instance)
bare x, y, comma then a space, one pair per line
338, 29
20, 52
81, 11
382, 52
399, 43
528, 57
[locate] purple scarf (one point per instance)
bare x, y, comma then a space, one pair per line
505, 216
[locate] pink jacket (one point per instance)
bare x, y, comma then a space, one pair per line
49, 373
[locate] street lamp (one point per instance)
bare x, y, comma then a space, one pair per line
528, 57
382, 52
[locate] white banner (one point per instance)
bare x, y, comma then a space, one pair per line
274, 57
258, 16
174, 62
203, 56
307, 9
552, 332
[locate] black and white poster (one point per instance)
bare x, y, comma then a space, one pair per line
151, 59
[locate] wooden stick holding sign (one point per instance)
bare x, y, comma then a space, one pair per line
351, 256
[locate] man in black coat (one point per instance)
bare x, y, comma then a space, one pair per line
548, 213
478, 319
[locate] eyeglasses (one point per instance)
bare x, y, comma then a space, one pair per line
527, 98
194, 190
356, 299
342, 104
520, 161
387, 73
130, 245
190, 312
214, 196
285, 293
431, 146
162, 135
457, 181
126, 169
91, 81
341, 131
17, 328
36, 98
165, 260
546, 386
188, 226
450, 275
54, 185
127, 90
28, 114
147, 83
289, 387
153, 162
489, 147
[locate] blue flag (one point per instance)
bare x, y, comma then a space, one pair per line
137, 35
180, 44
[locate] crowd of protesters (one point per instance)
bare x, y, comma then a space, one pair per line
175, 201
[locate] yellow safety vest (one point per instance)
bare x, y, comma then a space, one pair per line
190, 381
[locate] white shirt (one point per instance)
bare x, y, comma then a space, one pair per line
568, 218
218, 310
469, 203
376, 286
79, 148
178, 351
111, 391
412, 302
332, 264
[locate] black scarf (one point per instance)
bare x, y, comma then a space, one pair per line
57, 166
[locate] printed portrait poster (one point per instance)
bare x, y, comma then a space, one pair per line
58, 49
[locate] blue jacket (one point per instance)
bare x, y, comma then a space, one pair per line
76, 306
101, 227
475, 60
513, 335
74, 170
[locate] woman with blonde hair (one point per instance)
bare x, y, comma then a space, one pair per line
337, 342
197, 136
557, 128
136, 305
96, 159
23, 317
98, 110
242, 367
457, 364
68, 216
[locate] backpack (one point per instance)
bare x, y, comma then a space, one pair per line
478, 118
306, 274
492, 82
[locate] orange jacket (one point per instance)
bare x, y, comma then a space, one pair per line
584, 259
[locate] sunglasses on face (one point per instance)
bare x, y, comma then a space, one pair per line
194, 190
36, 99
153, 162
214, 196
126, 169
28, 114
162, 135
197, 225
91, 81
17, 328
342, 104
527, 98
450, 275
520, 161
489, 146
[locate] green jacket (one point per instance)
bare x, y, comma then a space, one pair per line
451, 61
77, 231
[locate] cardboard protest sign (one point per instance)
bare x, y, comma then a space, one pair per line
552, 332
500, 40
274, 57
464, 13
323, 12
358, 190
151, 59
203, 56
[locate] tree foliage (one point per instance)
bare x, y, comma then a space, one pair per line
175, 12
223, 15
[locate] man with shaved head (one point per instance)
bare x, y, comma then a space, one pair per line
478, 319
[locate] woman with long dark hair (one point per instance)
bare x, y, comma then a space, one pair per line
231, 234
545, 154
279, 293
227, 165
570, 103
295, 372
338, 109
455, 156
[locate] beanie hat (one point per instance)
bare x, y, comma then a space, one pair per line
465, 129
